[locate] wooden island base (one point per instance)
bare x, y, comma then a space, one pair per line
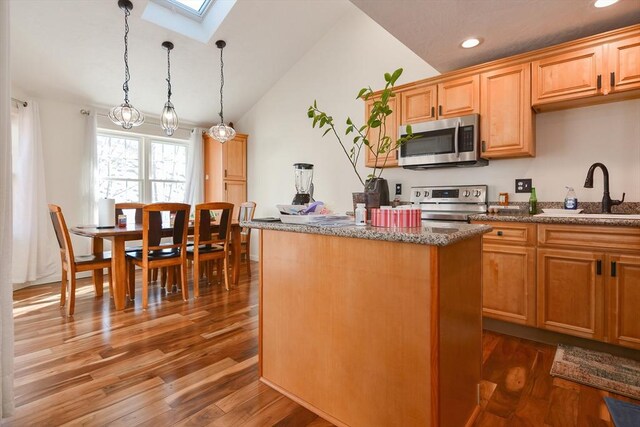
371, 332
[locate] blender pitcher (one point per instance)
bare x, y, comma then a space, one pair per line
304, 186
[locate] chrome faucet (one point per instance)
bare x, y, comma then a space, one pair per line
606, 200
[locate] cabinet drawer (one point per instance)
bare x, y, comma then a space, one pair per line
576, 236
511, 232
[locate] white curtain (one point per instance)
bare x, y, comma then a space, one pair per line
90, 168
6, 238
194, 192
33, 242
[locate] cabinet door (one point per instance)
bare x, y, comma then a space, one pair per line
624, 300
624, 64
389, 159
418, 104
505, 113
508, 283
236, 193
459, 97
567, 76
570, 292
235, 159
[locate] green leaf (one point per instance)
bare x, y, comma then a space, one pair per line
310, 113
409, 130
315, 105
356, 139
387, 77
395, 76
375, 123
326, 132
362, 92
315, 120
349, 121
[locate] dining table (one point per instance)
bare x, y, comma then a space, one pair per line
118, 236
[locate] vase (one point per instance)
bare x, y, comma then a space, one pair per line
380, 188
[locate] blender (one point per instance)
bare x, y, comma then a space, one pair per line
304, 187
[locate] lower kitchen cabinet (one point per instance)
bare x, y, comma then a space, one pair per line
235, 192
571, 292
624, 300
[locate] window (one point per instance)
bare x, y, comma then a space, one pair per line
133, 168
190, 8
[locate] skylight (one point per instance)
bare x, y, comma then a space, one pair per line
190, 8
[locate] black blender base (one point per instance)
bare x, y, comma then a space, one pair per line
301, 199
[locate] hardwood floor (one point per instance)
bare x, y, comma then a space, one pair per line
195, 363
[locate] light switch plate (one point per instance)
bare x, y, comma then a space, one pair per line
398, 189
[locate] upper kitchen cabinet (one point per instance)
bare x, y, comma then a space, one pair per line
459, 97
450, 98
591, 73
384, 160
506, 117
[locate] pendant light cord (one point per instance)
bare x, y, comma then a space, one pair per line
168, 75
127, 76
221, 84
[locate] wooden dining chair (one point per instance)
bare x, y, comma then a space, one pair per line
210, 245
247, 209
155, 253
72, 264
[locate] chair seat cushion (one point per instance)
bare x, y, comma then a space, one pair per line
93, 259
205, 250
154, 255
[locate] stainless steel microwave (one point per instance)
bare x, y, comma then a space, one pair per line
441, 143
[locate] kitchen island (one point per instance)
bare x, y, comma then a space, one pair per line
373, 327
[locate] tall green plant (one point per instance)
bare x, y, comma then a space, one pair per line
377, 119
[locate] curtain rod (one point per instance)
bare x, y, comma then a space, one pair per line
19, 101
88, 112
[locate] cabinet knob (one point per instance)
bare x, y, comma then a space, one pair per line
614, 270
439, 110
225, 173
484, 146
599, 267
499, 233
613, 79
599, 81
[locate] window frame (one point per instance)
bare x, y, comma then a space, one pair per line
144, 153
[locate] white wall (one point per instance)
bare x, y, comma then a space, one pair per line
356, 53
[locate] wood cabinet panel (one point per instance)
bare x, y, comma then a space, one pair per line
567, 76
570, 292
236, 193
624, 300
235, 158
418, 104
624, 64
511, 232
459, 97
506, 117
508, 283
222, 161
389, 159
588, 236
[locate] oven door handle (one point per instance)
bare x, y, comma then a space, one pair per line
455, 139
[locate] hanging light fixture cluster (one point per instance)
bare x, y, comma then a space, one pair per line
126, 115
221, 132
168, 118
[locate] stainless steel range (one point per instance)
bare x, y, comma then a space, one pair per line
450, 203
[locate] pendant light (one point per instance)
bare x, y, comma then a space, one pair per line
221, 133
169, 118
126, 115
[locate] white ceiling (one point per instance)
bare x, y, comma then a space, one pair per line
434, 29
72, 49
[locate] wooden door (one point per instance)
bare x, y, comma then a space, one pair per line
567, 76
570, 292
506, 117
418, 104
624, 300
509, 283
624, 64
235, 158
459, 97
236, 193
389, 159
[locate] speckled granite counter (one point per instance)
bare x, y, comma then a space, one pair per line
576, 220
431, 233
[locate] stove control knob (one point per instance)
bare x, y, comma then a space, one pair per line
426, 194
467, 193
418, 194
477, 193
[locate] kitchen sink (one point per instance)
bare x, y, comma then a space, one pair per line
595, 216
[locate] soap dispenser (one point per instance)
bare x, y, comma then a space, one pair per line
571, 200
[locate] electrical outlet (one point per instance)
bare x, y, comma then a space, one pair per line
523, 185
398, 189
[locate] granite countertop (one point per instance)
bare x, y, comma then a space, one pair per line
576, 219
434, 233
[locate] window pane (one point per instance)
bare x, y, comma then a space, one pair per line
167, 191
168, 161
121, 190
118, 157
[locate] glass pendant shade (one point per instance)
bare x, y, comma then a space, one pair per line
222, 133
169, 119
126, 115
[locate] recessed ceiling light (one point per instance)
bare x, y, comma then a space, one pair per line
469, 43
604, 3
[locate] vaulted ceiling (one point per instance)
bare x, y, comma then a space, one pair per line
72, 50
